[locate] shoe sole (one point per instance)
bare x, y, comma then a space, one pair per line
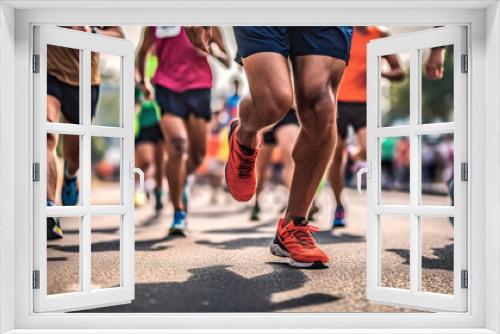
337, 225
278, 251
231, 129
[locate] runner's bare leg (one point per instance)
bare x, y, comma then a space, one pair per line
71, 152
197, 129
336, 171
286, 136
53, 112
144, 153
361, 153
270, 98
159, 159
263, 162
176, 142
316, 82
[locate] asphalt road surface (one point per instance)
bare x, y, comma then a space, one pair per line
224, 264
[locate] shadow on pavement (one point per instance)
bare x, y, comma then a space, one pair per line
239, 243
327, 237
219, 213
250, 228
149, 221
94, 230
218, 289
444, 258
324, 238
114, 245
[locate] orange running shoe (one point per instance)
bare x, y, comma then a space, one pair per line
298, 243
240, 168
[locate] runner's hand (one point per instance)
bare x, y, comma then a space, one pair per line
434, 70
434, 67
216, 52
81, 28
200, 37
147, 90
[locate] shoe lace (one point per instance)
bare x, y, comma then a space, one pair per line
303, 234
245, 167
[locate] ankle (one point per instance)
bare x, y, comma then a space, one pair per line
246, 139
68, 174
296, 220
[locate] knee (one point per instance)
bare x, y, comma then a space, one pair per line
320, 114
144, 164
178, 148
275, 103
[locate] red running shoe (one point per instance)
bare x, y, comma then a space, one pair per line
298, 243
240, 168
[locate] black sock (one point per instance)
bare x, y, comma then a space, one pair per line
299, 220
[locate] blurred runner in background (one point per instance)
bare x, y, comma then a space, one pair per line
63, 99
232, 101
182, 88
149, 149
352, 110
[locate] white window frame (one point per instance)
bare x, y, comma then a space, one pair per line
414, 210
16, 20
124, 132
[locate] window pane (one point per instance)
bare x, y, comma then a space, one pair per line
105, 81
437, 169
63, 170
63, 264
395, 92
395, 251
437, 254
394, 170
63, 81
106, 157
105, 251
437, 84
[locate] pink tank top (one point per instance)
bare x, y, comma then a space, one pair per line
180, 65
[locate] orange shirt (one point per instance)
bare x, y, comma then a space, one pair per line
353, 85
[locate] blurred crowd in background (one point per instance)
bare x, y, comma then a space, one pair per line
230, 85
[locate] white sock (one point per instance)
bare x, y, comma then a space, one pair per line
68, 175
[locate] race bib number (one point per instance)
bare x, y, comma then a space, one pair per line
167, 31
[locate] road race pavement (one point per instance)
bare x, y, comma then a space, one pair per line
224, 265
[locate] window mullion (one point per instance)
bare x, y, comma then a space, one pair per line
85, 238
414, 171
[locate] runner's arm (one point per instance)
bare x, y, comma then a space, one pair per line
144, 48
395, 73
218, 49
112, 31
200, 37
